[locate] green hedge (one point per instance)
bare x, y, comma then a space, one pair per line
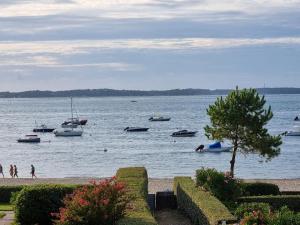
201, 207
7, 191
291, 201
257, 189
136, 180
35, 204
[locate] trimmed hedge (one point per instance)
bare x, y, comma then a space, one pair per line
276, 202
35, 204
201, 207
136, 180
7, 191
258, 189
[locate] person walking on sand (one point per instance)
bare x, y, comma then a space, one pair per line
32, 172
15, 171
11, 171
1, 170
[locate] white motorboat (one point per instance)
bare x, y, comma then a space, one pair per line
43, 129
68, 133
159, 118
214, 148
184, 133
294, 132
31, 138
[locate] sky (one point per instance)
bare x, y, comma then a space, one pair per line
148, 44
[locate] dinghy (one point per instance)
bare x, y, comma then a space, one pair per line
30, 138
184, 133
136, 129
159, 118
215, 148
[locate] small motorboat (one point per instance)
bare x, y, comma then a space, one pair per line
43, 128
136, 129
214, 148
295, 132
30, 138
184, 133
159, 118
68, 133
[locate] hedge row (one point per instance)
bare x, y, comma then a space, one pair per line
35, 204
201, 207
257, 189
136, 180
7, 191
291, 201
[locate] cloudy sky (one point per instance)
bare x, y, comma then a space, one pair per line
148, 44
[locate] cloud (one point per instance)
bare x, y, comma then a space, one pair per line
89, 46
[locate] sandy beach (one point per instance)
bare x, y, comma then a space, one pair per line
155, 184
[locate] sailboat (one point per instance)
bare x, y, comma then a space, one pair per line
69, 131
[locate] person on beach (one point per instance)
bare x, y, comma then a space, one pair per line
15, 171
11, 171
1, 170
32, 172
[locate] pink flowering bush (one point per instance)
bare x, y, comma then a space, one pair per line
101, 203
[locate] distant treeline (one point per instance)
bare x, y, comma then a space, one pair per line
112, 92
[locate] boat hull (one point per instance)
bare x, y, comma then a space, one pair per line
68, 133
31, 140
293, 133
136, 129
43, 130
216, 150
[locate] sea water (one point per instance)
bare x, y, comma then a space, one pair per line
161, 154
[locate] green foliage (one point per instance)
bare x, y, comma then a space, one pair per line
136, 181
6, 207
277, 201
2, 214
201, 207
246, 208
222, 186
257, 189
6, 192
100, 203
241, 118
35, 204
285, 217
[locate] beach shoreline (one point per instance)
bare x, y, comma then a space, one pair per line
155, 184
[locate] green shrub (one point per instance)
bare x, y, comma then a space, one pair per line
222, 186
100, 203
201, 207
276, 202
6, 192
136, 180
246, 208
285, 217
257, 189
35, 204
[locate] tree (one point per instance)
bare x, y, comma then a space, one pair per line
241, 118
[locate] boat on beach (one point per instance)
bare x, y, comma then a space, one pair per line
159, 118
136, 129
30, 138
184, 133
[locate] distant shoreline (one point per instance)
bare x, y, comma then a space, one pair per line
136, 93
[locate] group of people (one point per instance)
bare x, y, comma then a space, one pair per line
13, 171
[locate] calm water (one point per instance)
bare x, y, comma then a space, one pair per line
163, 155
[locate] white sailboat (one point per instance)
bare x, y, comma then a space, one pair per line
71, 131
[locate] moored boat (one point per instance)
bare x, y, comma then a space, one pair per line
30, 138
68, 133
214, 148
43, 128
136, 129
184, 133
159, 118
294, 132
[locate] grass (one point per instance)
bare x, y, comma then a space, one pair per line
6, 207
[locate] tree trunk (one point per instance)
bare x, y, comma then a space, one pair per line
232, 162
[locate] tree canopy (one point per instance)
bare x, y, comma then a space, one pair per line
241, 118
